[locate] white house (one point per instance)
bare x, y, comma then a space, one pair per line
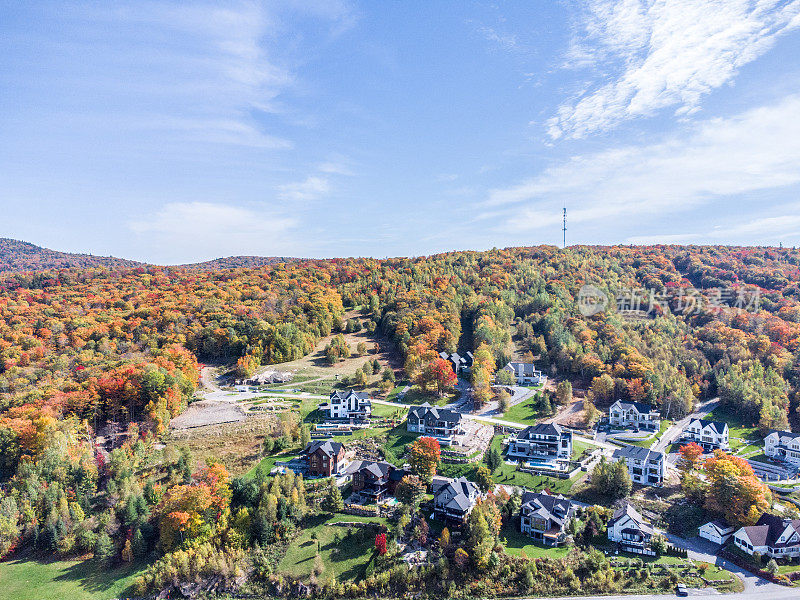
547, 441
645, 466
634, 415
772, 536
441, 423
783, 446
347, 405
718, 531
525, 373
711, 435
631, 531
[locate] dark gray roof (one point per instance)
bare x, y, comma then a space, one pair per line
718, 426
423, 411
370, 468
637, 452
525, 368
344, 395
627, 509
542, 429
721, 524
640, 407
768, 529
461, 489
550, 507
326, 446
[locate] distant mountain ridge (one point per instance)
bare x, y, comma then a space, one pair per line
16, 255
234, 262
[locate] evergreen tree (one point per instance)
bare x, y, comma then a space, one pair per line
333, 501
104, 550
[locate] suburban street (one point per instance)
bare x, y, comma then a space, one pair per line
671, 434
773, 592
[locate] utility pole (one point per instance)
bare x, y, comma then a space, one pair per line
564, 228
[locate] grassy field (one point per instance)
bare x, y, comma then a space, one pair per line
508, 475
382, 410
737, 429
344, 552
524, 413
517, 544
31, 579
665, 424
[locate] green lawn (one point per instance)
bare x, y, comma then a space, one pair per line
737, 429
382, 410
578, 447
34, 579
268, 462
345, 552
518, 543
665, 424
524, 413
508, 475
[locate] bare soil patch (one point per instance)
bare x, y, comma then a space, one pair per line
208, 412
236, 445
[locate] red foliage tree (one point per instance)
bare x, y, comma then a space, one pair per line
380, 543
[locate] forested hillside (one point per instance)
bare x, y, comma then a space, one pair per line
16, 255
237, 262
65, 332
83, 347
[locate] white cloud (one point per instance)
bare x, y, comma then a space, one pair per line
761, 230
506, 41
757, 150
311, 188
664, 53
210, 230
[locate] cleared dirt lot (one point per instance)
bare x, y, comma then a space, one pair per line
237, 445
208, 412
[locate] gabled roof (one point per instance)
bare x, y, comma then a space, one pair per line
720, 525
521, 368
345, 395
784, 435
370, 468
718, 426
461, 490
768, 529
327, 447
424, 411
541, 429
640, 407
546, 505
628, 510
438, 482
639, 453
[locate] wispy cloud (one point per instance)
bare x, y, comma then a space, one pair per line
758, 230
506, 41
312, 187
663, 53
209, 230
757, 150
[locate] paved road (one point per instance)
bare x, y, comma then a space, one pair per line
671, 434
703, 550
782, 593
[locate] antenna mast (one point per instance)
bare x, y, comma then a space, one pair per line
564, 227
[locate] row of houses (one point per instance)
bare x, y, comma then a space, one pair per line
638, 416
772, 535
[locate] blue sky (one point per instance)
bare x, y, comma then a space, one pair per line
176, 132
